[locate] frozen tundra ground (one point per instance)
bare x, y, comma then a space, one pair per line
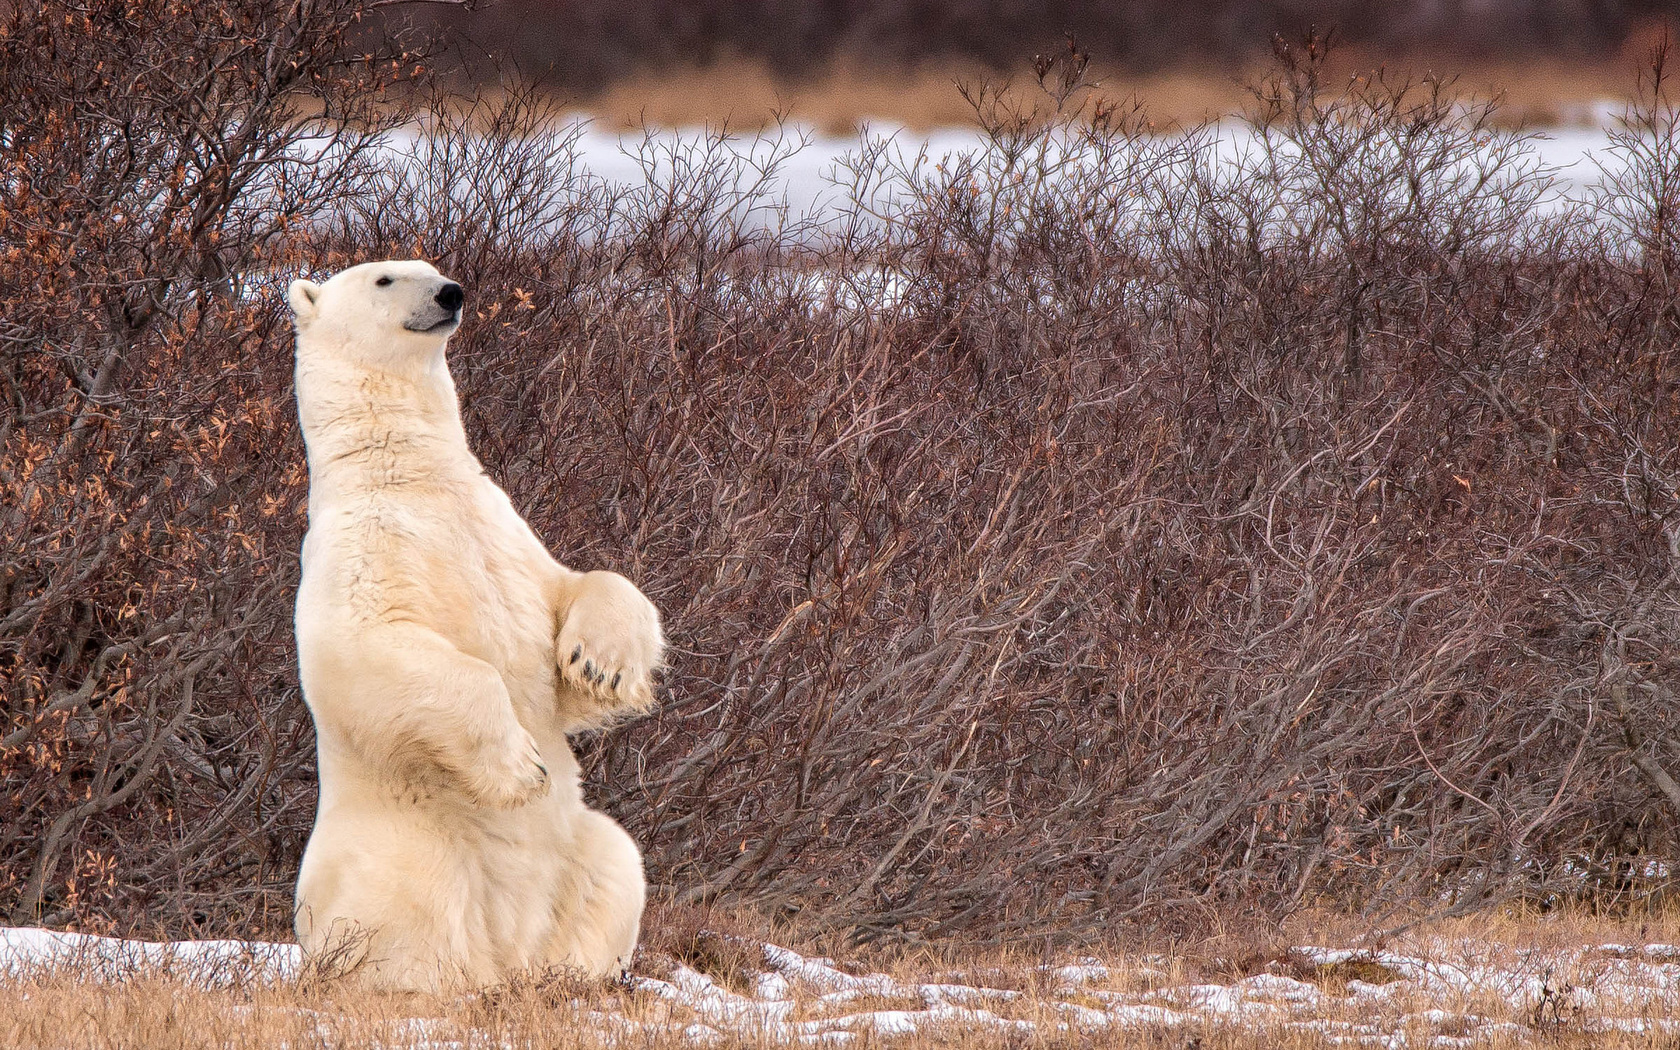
1465, 984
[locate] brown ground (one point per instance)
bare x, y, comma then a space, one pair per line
1577, 1008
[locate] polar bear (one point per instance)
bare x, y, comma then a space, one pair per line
445, 656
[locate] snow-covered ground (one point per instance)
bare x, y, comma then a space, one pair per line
812, 175
807, 174
1436, 992
27, 950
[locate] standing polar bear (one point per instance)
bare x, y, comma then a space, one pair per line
445, 656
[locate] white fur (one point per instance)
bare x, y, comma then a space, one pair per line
436, 641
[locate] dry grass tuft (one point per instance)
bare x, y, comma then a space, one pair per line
730, 961
1333, 977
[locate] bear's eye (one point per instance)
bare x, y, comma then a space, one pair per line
383, 281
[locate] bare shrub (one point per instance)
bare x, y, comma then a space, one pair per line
152, 745
1092, 529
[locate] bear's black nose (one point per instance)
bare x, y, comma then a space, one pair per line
450, 297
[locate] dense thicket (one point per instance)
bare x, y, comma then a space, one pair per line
155, 158
580, 45
1082, 532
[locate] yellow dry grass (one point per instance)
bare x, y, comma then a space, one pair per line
75, 1007
838, 98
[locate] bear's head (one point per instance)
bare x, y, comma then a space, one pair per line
392, 310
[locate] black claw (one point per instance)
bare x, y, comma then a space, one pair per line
589, 668
576, 653
616, 677
543, 768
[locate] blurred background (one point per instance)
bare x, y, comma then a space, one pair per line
835, 64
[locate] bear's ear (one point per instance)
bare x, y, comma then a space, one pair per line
302, 295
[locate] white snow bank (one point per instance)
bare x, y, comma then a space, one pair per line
111, 958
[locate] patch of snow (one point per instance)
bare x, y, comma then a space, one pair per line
1366, 990
1146, 1017
963, 993
110, 958
1084, 973
1277, 986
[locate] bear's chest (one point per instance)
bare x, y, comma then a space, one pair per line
490, 591
452, 557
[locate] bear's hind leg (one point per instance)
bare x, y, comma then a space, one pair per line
598, 912
380, 953
382, 908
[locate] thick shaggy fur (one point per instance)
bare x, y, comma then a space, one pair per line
445, 656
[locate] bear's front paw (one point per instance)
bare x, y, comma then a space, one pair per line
611, 644
513, 773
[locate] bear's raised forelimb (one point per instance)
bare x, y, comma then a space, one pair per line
608, 647
440, 715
